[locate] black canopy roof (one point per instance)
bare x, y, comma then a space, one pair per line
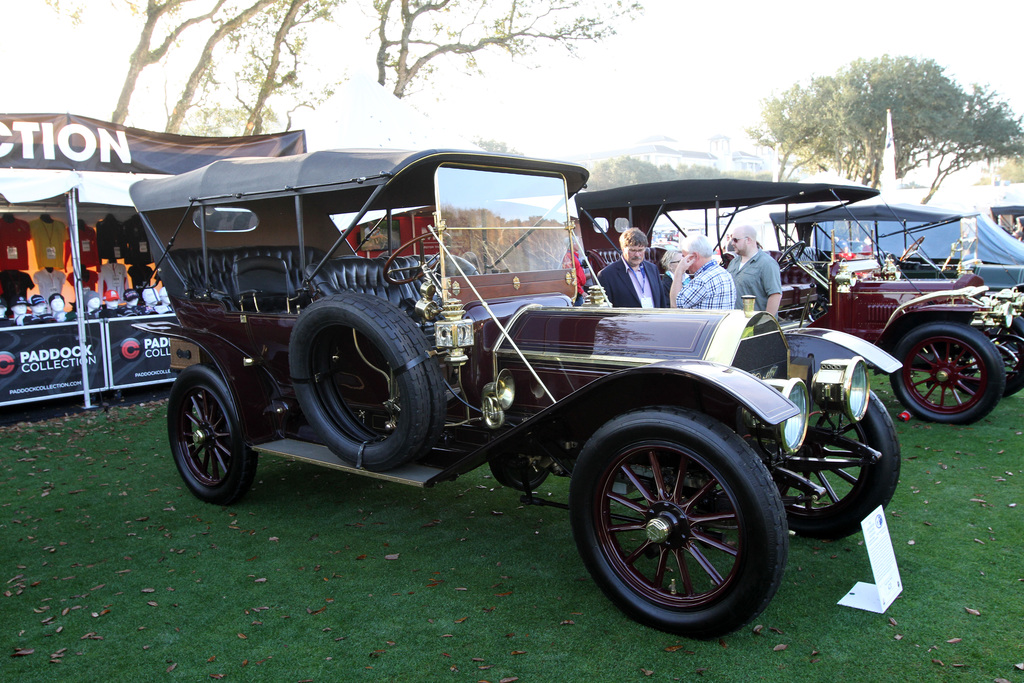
677, 195
911, 213
232, 179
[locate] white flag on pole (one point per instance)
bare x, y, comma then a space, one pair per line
889, 156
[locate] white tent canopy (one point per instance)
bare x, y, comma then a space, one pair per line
25, 186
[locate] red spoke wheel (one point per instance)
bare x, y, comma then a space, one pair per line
951, 373
833, 459
206, 437
678, 522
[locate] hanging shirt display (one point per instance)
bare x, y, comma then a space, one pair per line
14, 284
89, 279
110, 238
48, 237
14, 237
49, 282
136, 242
113, 277
88, 250
140, 274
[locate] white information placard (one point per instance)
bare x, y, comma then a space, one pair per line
877, 597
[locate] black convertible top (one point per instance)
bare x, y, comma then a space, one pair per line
232, 179
914, 213
677, 195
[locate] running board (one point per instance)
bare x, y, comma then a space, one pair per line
411, 474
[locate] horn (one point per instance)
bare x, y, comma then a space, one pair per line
505, 389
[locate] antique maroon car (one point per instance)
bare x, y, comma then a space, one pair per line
693, 440
961, 347
961, 343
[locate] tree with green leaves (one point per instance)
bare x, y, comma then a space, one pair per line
837, 123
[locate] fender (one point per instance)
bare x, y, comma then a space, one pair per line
589, 407
820, 344
969, 293
258, 426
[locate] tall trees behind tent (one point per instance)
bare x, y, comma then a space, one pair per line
235, 66
412, 35
837, 123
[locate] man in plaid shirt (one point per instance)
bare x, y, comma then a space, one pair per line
699, 281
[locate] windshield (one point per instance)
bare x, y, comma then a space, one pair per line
503, 222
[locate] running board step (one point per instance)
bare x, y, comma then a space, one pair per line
411, 474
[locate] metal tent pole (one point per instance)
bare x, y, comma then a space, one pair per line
76, 268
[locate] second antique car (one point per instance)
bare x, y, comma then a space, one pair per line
407, 316
960, 346
961, 341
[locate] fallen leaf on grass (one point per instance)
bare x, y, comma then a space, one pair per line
459, 621
954, 640
938, 661
1019, 666
510, 679
391, 557
518, 652
972, 611
780, 647
647, 672
22, 652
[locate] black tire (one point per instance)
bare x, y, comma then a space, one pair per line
346, 353
206, 437
853, 489
719, 557
516, 472
1011, 348
952, 373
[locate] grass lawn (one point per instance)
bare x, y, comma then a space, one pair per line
112, 571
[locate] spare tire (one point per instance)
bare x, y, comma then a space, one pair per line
364, 381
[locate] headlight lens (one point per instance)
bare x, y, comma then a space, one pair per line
842, 386
793, 430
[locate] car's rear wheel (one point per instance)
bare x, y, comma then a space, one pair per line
1011, 348
951, 373
678, 522
364, 381
206, 437
853, 486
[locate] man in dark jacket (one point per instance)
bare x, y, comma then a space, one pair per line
632, 281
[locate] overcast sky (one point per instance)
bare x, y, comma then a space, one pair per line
688, 70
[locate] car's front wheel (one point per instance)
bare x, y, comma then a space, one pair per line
952, 373
678, 522
206, 437
851, 486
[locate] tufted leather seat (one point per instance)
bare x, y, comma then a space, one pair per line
222, 283
366, 275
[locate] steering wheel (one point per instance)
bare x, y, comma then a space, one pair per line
391, 270
789, 257
912, 249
